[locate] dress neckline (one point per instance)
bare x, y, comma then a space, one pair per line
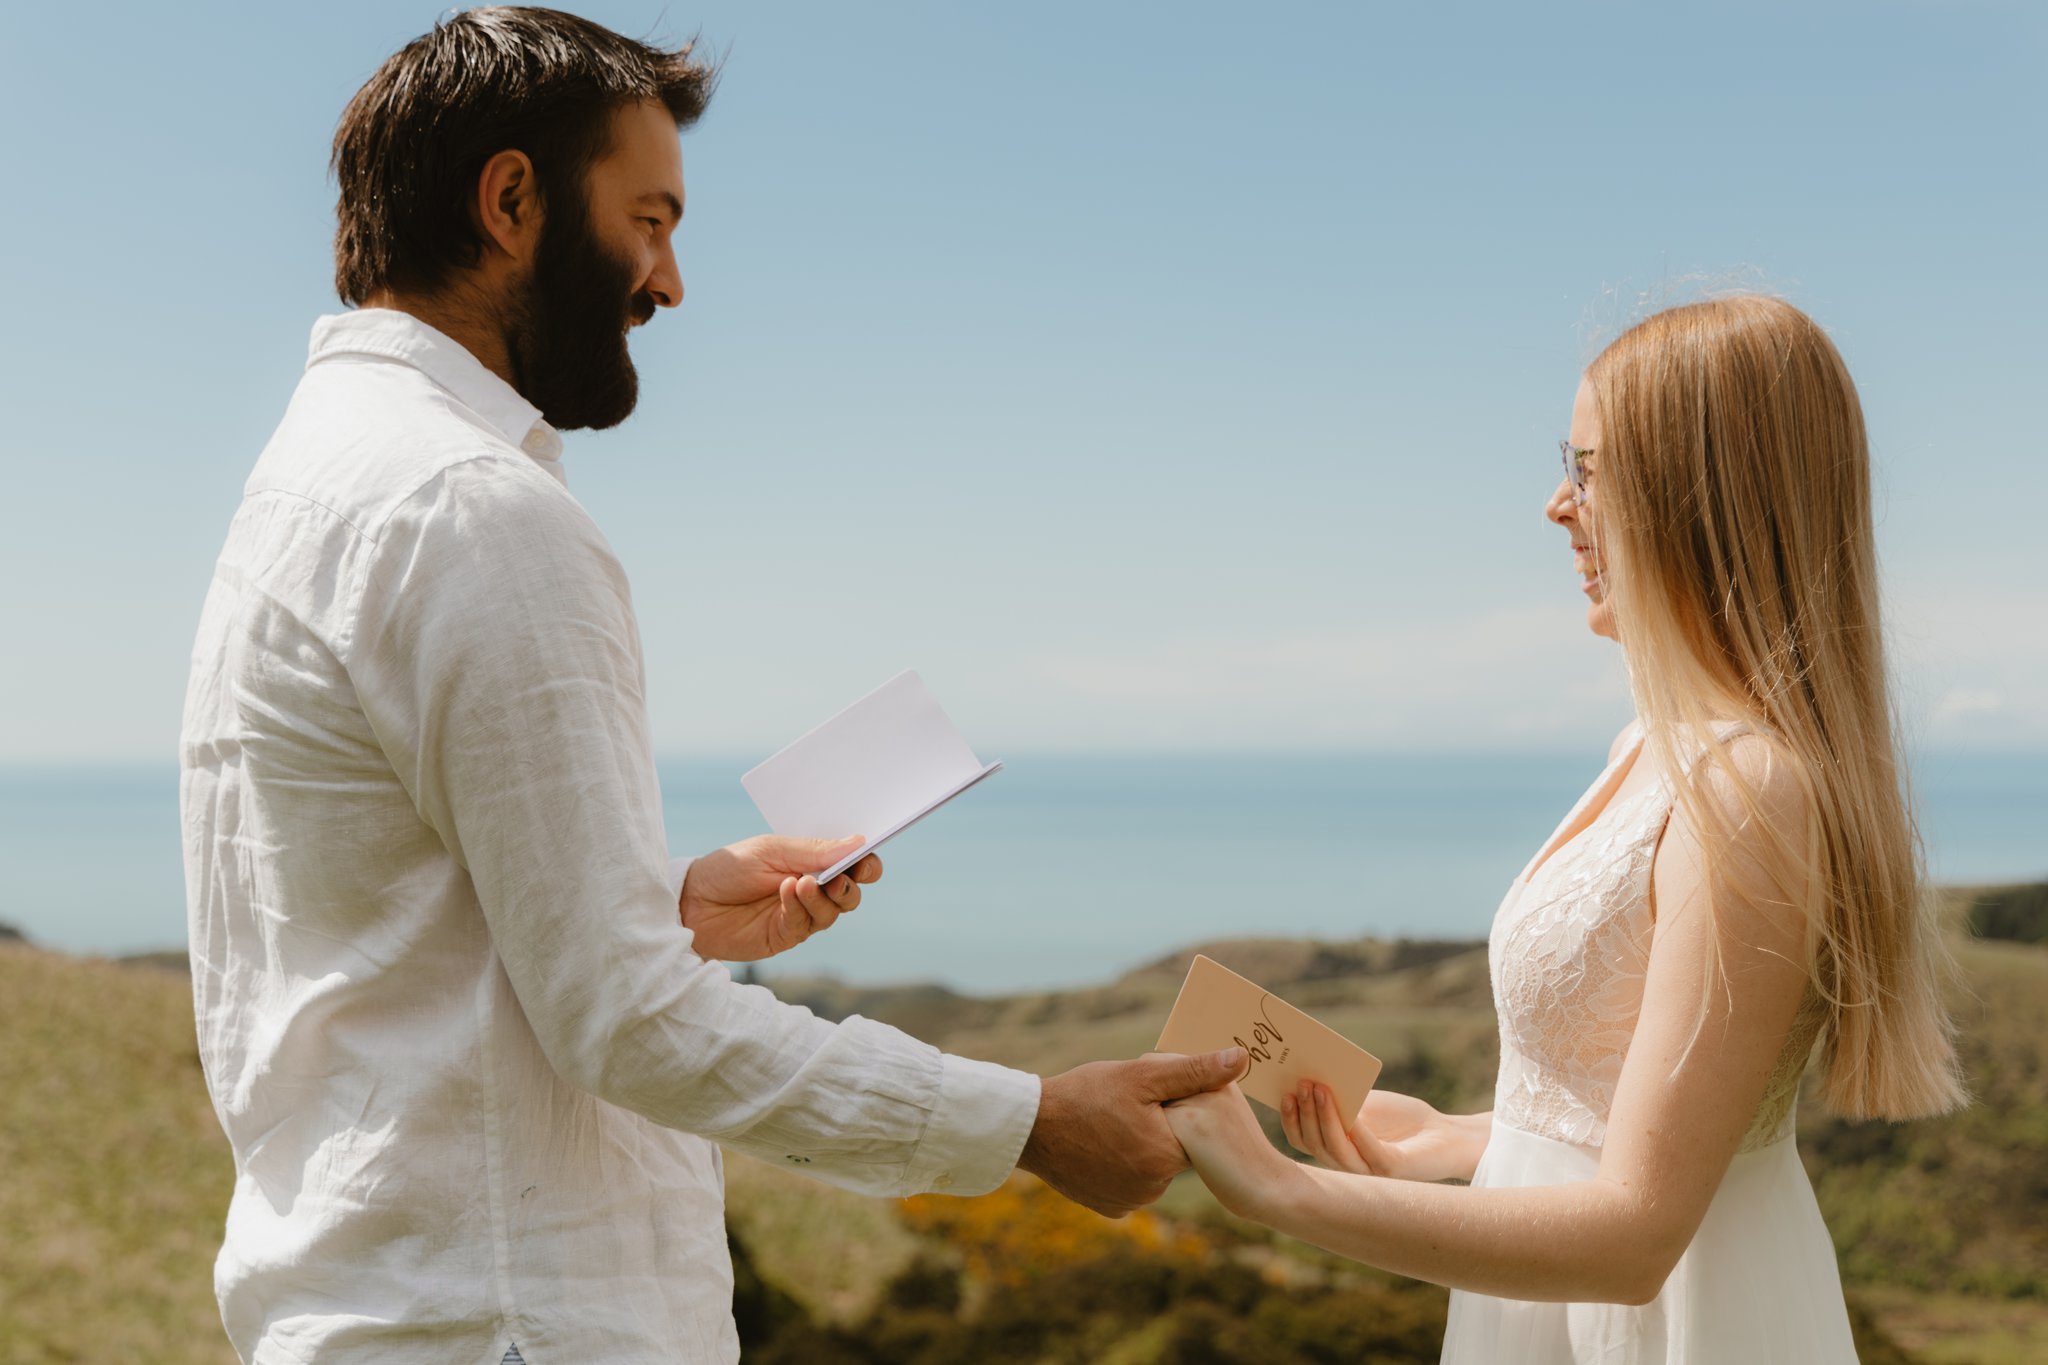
1584, 814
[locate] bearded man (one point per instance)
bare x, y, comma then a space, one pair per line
464, 1022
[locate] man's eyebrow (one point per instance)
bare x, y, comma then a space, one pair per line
666, 200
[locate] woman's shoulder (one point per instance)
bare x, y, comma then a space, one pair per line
1752, 792
1743, 778
1756, 759
1744, 749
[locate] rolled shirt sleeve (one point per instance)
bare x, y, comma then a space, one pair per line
497, 658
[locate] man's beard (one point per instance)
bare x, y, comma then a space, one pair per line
566, 333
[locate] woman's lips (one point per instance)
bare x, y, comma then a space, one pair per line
1586, 567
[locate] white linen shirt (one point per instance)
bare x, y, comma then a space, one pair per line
470, 1067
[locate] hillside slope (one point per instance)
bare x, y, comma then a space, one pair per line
119, 1177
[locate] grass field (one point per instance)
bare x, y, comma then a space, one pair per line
118, 1176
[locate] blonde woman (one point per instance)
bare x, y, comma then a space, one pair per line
1738, 884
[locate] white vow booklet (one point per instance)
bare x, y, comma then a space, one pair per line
876, 768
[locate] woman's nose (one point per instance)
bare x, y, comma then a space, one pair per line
1561, 508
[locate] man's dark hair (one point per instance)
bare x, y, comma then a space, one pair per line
415, 138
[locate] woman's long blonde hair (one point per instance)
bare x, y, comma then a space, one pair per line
1734, 529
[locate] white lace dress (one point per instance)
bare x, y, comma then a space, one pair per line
1758, 1285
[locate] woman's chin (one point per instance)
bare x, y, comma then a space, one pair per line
1600, 618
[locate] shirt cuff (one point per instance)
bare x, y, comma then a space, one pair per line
977, 1129
678, 868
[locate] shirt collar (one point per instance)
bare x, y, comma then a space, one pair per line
394, 335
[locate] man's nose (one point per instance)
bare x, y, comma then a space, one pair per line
665, 284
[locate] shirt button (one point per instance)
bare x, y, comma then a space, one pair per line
943, 1180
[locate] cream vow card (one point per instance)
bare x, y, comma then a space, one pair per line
1217, 1008
876, 768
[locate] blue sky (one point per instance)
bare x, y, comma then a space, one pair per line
1147, 376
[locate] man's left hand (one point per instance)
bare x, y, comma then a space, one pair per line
758, 897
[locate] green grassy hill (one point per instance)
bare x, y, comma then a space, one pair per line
1941, 1225
118, 1178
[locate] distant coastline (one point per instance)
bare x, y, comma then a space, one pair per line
1059, 872
2009, 913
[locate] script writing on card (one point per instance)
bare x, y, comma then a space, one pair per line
1217, 1008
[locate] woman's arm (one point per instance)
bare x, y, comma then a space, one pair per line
1702, 1054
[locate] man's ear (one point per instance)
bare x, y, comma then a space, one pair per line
508, 205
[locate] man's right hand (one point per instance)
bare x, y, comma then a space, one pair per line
759, 897
1100, 1138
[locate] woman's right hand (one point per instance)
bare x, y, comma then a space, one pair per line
1394, 1135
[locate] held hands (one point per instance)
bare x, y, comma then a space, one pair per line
1101, 1138
1241, 1167
756, 898
1394, 1135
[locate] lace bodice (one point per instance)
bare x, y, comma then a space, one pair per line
1568, 952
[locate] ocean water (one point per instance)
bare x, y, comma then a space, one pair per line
1062, 869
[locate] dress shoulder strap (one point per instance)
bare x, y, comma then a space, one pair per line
1725, 732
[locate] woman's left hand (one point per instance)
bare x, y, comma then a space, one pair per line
1231, 1153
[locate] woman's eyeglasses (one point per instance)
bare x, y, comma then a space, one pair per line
1575, 470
